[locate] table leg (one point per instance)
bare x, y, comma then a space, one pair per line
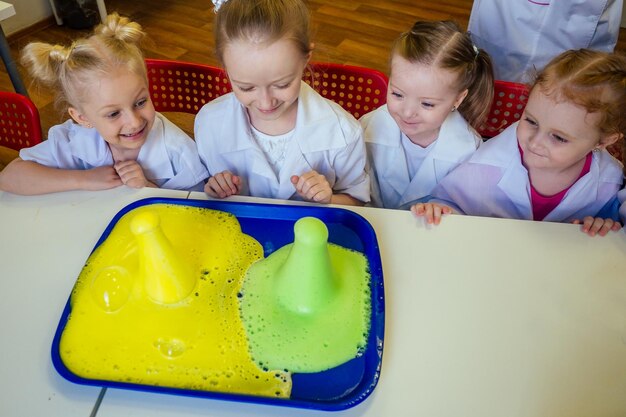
102, 10
5, 51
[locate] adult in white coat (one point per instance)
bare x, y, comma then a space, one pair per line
495, 183
326, 139
392, 184
521, 35
419, 136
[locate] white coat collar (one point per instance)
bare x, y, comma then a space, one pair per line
313, 133
237, 137
603, 169
153, 156
313, 112
502, 151
88, 146
381, 130
451, 140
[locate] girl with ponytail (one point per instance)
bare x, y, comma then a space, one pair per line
440, 90
114, 136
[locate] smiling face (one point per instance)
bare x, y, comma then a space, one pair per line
266, 80
120, 109
556, 136
420, 97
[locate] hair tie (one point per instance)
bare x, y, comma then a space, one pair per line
218, 4
62, 53
476, 51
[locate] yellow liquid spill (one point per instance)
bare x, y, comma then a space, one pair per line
116, 332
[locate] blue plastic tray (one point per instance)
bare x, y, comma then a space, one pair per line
272, 225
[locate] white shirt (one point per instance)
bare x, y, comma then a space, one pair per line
168, 158
392, 184
327, 139
274, 147
415, 154
494, 183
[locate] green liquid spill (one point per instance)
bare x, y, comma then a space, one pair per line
306, 307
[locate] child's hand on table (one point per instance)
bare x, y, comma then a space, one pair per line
223, 185
100, 178
131, 174
598, 225
432, 212
313, 187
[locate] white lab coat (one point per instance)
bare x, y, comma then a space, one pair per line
392, 187
327, 139
520, 34
494, 183
168, 158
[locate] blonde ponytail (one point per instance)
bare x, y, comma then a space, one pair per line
444, 45
120, 28
44, 61
71, 70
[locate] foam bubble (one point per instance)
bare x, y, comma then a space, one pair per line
170, 348
111, 288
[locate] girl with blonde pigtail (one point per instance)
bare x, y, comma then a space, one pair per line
114, 136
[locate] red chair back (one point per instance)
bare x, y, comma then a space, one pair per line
617, 150
177, 86
509, 100
358, 90
20, 126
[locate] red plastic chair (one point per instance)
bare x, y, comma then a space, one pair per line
358, 90
617, 150
20, 126
177, 86
508, 104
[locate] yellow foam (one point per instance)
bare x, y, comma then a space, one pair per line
116, 332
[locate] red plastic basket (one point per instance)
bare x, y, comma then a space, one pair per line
177, 86
20, 126
508, 104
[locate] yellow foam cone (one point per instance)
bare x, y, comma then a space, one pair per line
167, 278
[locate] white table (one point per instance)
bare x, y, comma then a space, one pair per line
45, 241
484, 317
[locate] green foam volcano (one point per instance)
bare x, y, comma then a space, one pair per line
306, 307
